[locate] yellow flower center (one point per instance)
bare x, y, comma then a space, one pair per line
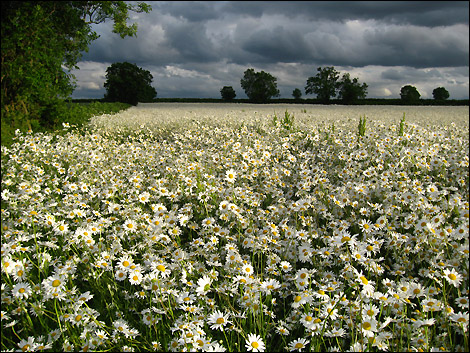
255, 344
161, 268
56, 283
364, 280
366, 326
452, 276
220, 320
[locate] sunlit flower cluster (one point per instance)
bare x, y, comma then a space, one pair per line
213, 233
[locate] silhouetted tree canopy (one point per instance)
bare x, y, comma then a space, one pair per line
324, 84
227, 93
409, 93
297, 93
440, 94
259, 86
128, 83
351, 90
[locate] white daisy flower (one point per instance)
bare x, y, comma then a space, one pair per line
218, 320
254, 343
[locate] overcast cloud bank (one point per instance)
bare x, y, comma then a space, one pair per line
193, 49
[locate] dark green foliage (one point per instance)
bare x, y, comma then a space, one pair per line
401, 130
351, 90
361, 128
288, 121
228, 93
296, 93
75, 114
409, 94
259, 86
324, 84
128, 83
440, 94
41, 42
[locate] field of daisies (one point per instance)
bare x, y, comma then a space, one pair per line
238, 227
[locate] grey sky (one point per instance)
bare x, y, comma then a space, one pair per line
194, 48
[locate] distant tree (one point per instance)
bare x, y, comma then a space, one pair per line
351, 90
324, 84
227, 93
440, 94
297, 93
128, 83
259, 86
409, 94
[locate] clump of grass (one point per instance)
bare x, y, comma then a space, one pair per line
361, 128
401, 130
74, 114
288, 121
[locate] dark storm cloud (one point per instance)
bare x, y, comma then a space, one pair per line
187, 45
193, 11
418, 46
191, 42
422, 13
277, 45
286, 31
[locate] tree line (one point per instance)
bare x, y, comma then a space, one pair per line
128, 83
326, 84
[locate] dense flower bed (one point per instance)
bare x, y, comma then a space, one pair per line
152, 231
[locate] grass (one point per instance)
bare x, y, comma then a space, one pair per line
216, 234
75, 114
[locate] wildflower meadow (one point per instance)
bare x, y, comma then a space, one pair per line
238, 227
